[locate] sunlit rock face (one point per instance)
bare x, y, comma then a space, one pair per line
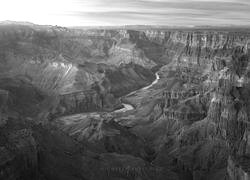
103, 134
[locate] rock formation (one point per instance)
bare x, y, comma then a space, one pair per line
59, 88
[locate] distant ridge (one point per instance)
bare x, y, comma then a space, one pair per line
9, 22
132, 27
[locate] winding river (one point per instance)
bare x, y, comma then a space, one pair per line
128, 107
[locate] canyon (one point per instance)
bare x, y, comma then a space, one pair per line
127, 104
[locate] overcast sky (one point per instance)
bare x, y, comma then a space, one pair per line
127, 12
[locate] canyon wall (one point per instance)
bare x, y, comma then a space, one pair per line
85, 70
199, 123
193, 126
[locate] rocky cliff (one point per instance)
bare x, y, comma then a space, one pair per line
79, 67
198, 117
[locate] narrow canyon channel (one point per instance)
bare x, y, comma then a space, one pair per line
128, 107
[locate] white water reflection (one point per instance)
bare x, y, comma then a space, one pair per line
154, 82
128, 107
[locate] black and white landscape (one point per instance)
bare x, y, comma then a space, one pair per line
127, 101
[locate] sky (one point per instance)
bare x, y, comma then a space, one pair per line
127, 12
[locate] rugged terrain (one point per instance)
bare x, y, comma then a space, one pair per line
60, 87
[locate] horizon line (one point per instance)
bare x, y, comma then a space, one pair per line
13, 22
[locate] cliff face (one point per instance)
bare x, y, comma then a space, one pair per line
195, 46
199, 116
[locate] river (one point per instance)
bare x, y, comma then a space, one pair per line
128, 107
